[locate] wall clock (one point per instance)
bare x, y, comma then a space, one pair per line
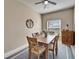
29, 23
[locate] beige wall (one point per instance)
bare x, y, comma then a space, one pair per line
15, 29
66, 16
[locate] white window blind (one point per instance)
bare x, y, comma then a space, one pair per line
53, 24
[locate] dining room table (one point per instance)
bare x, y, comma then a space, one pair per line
46, 41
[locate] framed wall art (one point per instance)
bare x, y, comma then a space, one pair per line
29, 23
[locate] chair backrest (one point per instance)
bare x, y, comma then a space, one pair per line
57, 37
35, 34
32, 41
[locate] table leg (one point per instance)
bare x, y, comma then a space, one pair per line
46, 52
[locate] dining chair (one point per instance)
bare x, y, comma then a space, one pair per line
53, 46
34, 47
56, 45
35, 34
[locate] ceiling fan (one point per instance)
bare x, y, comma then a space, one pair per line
46, 2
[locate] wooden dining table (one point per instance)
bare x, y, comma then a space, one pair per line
46, 41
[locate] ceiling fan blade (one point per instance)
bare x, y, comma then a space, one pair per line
39, 2
52, 2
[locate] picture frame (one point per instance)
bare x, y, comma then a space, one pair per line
29, 23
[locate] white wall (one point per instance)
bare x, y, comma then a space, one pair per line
15, 29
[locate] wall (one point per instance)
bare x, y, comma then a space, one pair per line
66, 16
15, 29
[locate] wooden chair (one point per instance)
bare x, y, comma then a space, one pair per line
35, 34
53, 46
56, 45
34, 48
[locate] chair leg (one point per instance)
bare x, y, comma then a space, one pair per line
53, 50
53, 55
38, 57
30, 55
56, 49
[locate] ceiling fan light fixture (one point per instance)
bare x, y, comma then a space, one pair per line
46, 2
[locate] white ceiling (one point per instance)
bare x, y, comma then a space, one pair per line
61, 4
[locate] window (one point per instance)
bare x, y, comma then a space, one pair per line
53, 24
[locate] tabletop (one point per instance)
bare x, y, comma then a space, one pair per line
47, 39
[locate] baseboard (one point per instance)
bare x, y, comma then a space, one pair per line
15, 51
18, 54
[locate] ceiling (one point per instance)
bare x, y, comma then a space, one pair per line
61, 4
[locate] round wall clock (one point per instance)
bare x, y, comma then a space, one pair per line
29, 23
